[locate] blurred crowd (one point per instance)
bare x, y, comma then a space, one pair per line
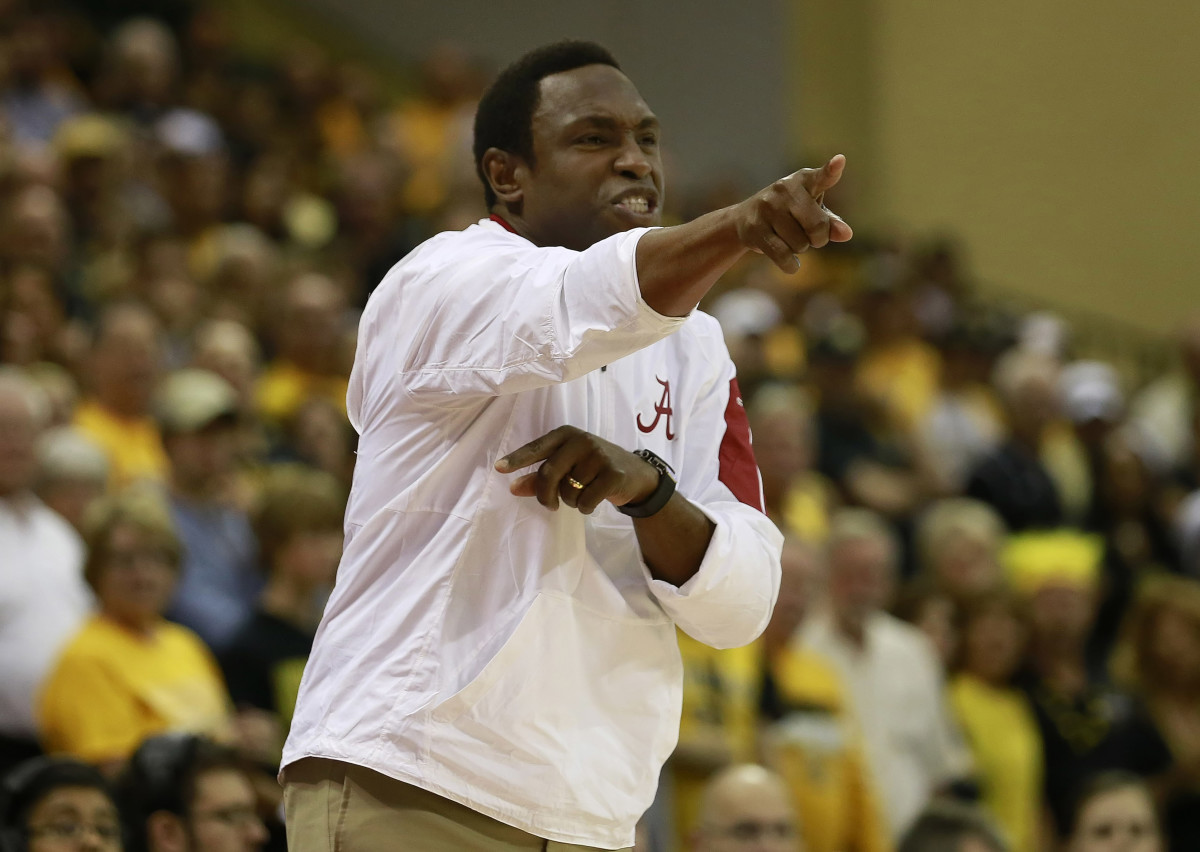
990, 597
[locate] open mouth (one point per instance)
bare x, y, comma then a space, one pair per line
637, 202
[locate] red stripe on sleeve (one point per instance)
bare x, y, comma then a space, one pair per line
739, 471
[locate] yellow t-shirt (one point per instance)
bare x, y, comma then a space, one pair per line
1001, 731
905, 375
283, 388
112, 688
133, 446
818, 751
720, 712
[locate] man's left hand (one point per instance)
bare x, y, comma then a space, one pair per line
580, 469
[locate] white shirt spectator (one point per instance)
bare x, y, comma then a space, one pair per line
898, 695
43, 602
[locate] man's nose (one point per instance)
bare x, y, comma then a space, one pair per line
633, 160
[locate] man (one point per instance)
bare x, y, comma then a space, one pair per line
197, 412
813, 741
123, 368
746, 809
891, 670
953, 827
495, 672
43, 598
183, 793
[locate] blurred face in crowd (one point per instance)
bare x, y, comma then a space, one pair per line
596, 169
125, 361
74, 819
1121, 820
1062, 612
18, 432
801, 584
311, 556
861, 578
201, 461
223, 816
965, 565
936, 619
1033, 404
1175, 647
747, 809
311, 322
135, 579
993, 642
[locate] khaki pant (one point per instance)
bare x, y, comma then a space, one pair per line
337, 807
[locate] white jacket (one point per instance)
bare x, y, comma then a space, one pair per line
520, 661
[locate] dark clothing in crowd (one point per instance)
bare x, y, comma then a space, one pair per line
1014, 482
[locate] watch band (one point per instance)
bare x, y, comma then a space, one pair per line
666, 487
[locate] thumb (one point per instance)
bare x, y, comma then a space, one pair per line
828, 175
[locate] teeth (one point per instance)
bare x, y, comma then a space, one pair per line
636, 204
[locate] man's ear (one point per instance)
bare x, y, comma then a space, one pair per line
165, 832
506, 173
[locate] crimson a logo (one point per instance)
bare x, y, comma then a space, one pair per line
661, 408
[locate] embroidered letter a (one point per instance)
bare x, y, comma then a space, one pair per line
662, 407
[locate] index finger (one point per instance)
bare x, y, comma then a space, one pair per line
536, 450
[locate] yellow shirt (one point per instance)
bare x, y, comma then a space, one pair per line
133, 446
112, 688
905, 375
817, 750
283, 388
1000, 728
720, 713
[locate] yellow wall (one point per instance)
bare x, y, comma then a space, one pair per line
1059, 139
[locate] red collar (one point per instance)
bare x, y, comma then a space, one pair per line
502, 223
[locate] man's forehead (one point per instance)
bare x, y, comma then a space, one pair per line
592, 90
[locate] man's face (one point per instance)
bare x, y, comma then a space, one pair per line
753, 819
861, 575
18, 431
224, 817
597, 169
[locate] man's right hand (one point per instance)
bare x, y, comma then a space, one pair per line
676, 266
787, 217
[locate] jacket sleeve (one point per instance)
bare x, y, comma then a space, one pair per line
728, 602
501, 315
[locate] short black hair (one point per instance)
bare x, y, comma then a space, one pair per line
943, 826
26, 785
1103, 783
504, 117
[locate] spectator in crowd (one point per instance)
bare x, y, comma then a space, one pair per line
123, 365
895, 680
746, 807
310, 357
55, 804
996, 718
1012, 478
953, 827
1162, 413
129, 673
964, 422
185, 793
72, 473
1159, 660
197, 413
811, 738
299, 527
1115, 811
795, 496
1086, 725
872, 471
958, 543
43, 599
934, 613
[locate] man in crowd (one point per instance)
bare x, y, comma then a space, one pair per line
494, 671
43, 598
890, 668
746, 807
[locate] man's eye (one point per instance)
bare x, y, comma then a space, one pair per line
593, 139
649, 141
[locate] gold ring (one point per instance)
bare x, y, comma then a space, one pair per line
575, 483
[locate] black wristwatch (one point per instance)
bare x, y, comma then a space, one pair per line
655, 502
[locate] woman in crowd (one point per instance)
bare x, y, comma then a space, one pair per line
51, 804
129, 674
996, 718
1159, 660
1115, 813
